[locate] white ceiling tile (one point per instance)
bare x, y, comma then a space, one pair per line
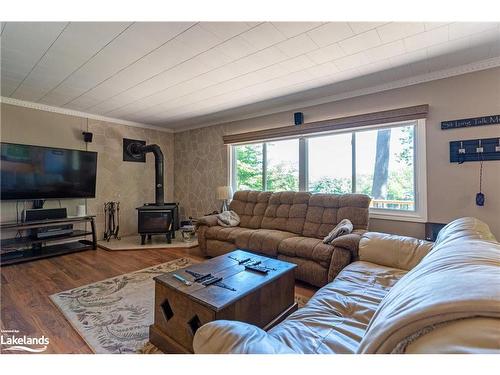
173, 73
410, 57
398, 30
225, 30
296, 64
432, 25
386, 51
197, 40
297, 45
132, 45
462, 29
263, 36
291, 29
329, 53
352, 61
360, 27
427, 39
213, 59
330, 33
26, 42
75, 46
235, 48
360, 42
322, 70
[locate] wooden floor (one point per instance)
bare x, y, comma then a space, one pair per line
25, 289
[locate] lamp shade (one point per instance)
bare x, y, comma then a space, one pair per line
224, 192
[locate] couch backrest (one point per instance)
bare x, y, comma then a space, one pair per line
325, 211
250, 206
456, 281
286, 211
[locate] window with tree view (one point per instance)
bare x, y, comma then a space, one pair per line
379, 162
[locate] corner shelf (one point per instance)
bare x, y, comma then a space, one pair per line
25, 248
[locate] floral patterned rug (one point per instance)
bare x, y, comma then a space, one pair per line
113, 315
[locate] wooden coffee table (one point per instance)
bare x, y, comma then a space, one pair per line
244, 295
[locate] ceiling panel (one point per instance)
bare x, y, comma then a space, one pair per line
398, 30
139, 40
62, 60
188, 73
330, 33
291, 29
23, 45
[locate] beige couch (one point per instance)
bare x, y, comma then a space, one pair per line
291, 226
403, 296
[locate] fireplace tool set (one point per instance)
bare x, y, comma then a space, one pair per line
111, 220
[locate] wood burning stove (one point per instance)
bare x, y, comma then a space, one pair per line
159, 217
156, 219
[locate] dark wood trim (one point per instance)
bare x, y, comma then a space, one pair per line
374, 118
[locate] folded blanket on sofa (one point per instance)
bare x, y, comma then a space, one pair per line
457, 280
228, 219
343, 227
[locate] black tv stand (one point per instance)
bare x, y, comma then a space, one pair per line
25, 248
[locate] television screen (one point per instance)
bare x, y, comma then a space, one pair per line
35, 172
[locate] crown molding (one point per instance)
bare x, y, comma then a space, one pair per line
410, 81
70, 112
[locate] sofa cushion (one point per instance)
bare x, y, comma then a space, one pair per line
227, 234
250, 207
307, 248
392, 250
307, 270
286, 211
263, 241
336, 318
325, 211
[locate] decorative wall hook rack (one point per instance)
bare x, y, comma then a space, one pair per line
475, 150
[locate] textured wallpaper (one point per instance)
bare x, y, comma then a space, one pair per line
200, 166
128, 182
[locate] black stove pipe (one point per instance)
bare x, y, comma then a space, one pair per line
137, 148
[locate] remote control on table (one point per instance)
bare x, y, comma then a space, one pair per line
257, 268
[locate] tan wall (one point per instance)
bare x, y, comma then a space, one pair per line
130, 183
451, 188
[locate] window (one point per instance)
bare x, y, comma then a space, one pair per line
384, 167
330, 164
282, 165
249, 172
267, 166
386, 162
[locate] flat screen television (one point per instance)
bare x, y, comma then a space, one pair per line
36, 172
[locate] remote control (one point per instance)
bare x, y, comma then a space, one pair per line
259, 269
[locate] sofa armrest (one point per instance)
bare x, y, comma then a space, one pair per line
392, 250
231, 337
349, 242
209, 221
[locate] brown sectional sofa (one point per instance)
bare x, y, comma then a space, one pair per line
291, 226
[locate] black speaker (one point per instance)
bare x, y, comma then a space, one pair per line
44, 214
298, 118
87, 137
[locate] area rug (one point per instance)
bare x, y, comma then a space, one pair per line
113, 315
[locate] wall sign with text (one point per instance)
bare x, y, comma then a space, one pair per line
470, 122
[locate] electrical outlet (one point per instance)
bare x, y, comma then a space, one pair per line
479, 150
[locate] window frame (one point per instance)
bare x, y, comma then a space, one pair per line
419, 214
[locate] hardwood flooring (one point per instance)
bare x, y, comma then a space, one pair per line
25, 289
